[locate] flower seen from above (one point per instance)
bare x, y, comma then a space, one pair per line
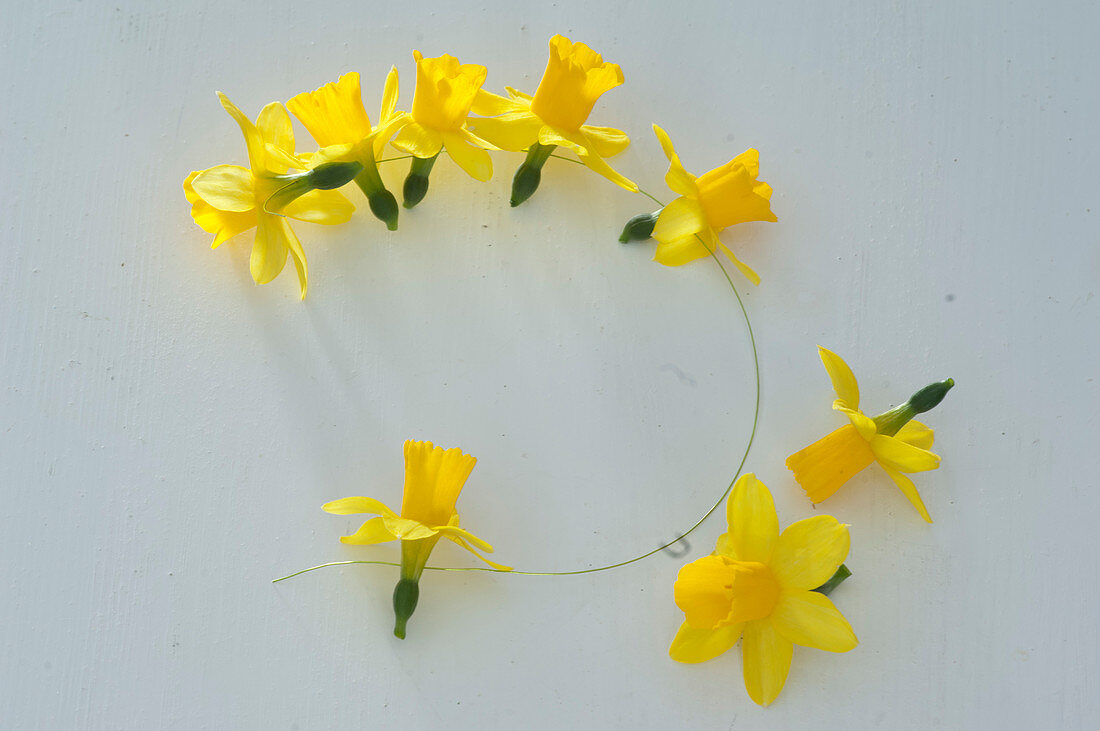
758, 586
893, 439
445, 91
434, 477
687, 228
575, 78
227, 200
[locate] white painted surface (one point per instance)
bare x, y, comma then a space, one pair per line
168, 431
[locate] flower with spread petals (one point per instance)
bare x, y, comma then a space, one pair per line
433, 479
228, 200
575, 77
758, 586
687, 228
893, 439
445, 91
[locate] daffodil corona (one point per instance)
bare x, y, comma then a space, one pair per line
893, 439
433, 480
575, 78
758, 586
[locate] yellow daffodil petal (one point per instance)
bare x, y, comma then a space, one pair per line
909, 490
328, 207
298, 256
389, 95
275, 130
605, 141
223, 224
487, 104
809, 552
371, 532
270, 249
596, 164
810, 619
465, 538
828, 463
753, 524
746, 271
252, 137
474, 160
766, 658
916, 434
699, 645
680, 251
278, 159
356, 506
521, 98
864, 424
407, 529
679, 219
514, 132
433, 480
844, 381
679, 180
334, 113
226, 187
901, 456
418, 140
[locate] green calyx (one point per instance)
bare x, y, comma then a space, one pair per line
382, 203
326, 176
416, 182
890, 422
405, 596
529, 174
639, 228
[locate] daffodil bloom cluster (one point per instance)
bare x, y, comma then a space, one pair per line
759, 587
893, 439
227, 200
434, 477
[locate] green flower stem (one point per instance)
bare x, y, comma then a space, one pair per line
689, 531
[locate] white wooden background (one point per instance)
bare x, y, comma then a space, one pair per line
168, 431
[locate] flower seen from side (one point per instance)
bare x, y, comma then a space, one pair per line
687, 228
228, 200
434, 477
574, 79
893, 439
759, 587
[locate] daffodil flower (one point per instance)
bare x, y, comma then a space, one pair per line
445, 91
335, 117
575, 77
687, 228
433, 480
758, 586
898, 443
227, 200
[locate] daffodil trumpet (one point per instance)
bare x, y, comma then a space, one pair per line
893, 439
